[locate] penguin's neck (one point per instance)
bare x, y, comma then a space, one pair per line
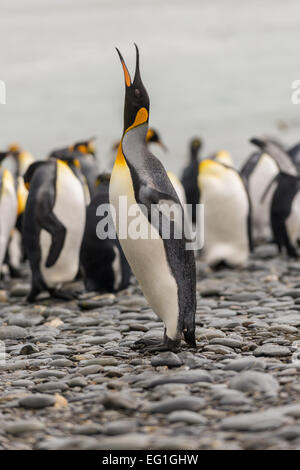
194, 155
134, 143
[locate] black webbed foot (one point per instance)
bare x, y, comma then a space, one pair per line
63, 294
152, 345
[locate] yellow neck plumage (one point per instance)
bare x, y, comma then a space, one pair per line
140, 118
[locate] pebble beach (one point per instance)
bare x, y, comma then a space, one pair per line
73, 378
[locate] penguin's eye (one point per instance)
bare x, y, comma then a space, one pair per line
137, 93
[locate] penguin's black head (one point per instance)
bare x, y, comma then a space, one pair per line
153, 136
85, 147
196, 144
136, 110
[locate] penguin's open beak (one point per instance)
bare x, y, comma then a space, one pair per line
125, 70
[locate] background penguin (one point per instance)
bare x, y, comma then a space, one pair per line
163, 267
285, 198
8, 210
227, 231
259, 172
177, 185
85, 153
17, 161
54, 223
223, 156
104, 265
190, 177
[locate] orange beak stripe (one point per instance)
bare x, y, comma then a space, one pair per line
126, 74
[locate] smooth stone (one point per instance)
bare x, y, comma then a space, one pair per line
289, 432
69, 443
186, 377
12, 332
122, 400
88, 429
252, 381
26, 319
254, 422
77, 382
283, 328
210, 333
119, 427
175, 404
45, 373
230, 342
20, 427
186, 416
62, 363
230, 397
168, 359
50, 386
245, 363
89, 370
272, 350
133, 441
37, 401
22, 383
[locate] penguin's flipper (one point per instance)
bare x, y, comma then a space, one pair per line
149, 195
280, 156
31, 170
58, 233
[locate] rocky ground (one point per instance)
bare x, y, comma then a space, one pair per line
72, 380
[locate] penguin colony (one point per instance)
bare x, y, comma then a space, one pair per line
49, 215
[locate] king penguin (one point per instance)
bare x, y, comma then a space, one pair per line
164, 267
85, 153
8, 210
54, 223
285, 197
227, 230
104, 266
259, 172
189, 177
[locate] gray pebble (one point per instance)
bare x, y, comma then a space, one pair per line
168, 359
252, 381
245, 363
272, 350
175, 404
185, 416
37, 401
12, 332
20, 427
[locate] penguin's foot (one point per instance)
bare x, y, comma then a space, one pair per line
63, 294
156, 345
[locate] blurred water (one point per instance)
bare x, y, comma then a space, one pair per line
220, 69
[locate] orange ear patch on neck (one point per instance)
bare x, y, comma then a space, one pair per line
140, 118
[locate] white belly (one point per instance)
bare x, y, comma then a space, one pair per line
69, 208
225, 222
8, 212
146, 257
292, 223
264, 172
